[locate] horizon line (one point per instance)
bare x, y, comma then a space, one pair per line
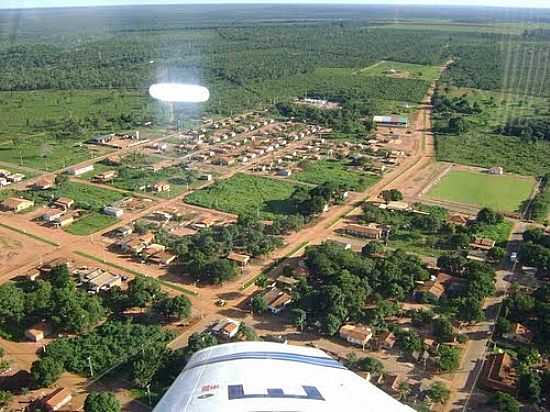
277, 2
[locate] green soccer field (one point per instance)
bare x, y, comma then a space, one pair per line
502, 193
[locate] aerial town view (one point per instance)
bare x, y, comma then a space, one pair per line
229, 207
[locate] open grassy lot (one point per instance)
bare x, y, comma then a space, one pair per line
246, 194
90, 223
400, 70
133, 179
499, 233
46, 153
335, 171
416, 242
85, 196
503, 193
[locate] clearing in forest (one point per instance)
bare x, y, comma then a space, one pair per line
400, 70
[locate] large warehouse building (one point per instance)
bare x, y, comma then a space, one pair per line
262, 376
391, 121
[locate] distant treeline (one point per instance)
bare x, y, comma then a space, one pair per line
529, 128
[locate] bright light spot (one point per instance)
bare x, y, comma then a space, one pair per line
179, 93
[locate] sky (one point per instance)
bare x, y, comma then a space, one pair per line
7, 4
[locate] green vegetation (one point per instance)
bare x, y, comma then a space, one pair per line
503, 193
85, 196
540, 206
401, 70
91, 223
487, 139
140, 179
244, 194
336, 172
101, 402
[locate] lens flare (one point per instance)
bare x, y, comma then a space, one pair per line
179, 93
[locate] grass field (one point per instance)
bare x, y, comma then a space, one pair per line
499, 233
30, 120
503, 193
400, 70
246, 194
415, 242
46, 153
85, 196
90, 223
334, 171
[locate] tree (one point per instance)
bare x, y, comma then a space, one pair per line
457, 125
503, 326
371, 365
101, 402
372, 249
443, 329
178, 307
198, 341
449, 358
496, 254
12, 303
143, 290
299, 317
439, 392
247, 333
258, 304
46, 371
60, 277
504, 402
529, 386
489, 217
392, 195
61, 179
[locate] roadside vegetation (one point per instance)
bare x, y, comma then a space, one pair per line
336, 172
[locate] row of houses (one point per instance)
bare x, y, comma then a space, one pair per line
7, 177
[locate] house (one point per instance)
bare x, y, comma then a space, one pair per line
393, 382
483, 243
64, 203
356, 334
370, 231
136, 244
16, 177
458, 219
101, 280
56, 400
497, 171
285, 282
226, 328
152, 250
80, 170
435, 289
499, 373
63, 220
391, 121
277, 300
113, 211
161, 187
124, 231
208, 178
519, 334
397, 206
15, 204
43, 183
37, 332
163, 258
242, 260
106, 176
51, 215
386, 340
284, 172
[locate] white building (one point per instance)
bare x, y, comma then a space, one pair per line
78, 171
265, 376
113, 211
